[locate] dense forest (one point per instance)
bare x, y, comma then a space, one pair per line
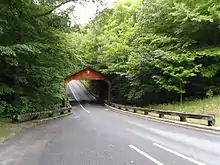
161, 50
34, 55
158, 50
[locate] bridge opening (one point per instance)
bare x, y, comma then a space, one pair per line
96, 83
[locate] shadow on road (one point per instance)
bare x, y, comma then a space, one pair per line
93, 102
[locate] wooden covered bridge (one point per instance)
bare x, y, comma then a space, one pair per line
91, 74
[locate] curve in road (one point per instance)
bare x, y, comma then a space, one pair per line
95, 135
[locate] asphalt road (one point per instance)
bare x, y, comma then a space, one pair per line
95, 135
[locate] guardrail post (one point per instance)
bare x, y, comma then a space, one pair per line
109, 103
69, 109
15, 118
35, 116
50, 114
182, 118
211, 122
161, 115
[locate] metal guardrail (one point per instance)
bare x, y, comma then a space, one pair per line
183, 116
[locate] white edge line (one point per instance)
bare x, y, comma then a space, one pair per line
84, 108
212, 135
191, 126
78, 100
145, 155
178, 154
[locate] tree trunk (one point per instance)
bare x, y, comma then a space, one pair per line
181, 94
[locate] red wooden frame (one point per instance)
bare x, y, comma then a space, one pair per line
86, 74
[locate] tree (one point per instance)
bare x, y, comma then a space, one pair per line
34, 56
156, 47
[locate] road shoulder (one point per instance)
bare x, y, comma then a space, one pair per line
9, 130
208, 129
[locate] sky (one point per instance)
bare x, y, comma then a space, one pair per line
84, 13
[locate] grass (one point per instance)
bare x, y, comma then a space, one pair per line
4, 129
217, 122
7, 128
203, 106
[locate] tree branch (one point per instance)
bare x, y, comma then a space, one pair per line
54, 8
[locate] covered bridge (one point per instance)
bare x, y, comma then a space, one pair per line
91, 74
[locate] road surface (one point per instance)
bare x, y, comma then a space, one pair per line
95, 135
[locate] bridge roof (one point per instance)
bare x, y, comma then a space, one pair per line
87, 73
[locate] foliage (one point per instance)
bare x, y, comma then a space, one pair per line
34, 56
201, 106
157, 48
